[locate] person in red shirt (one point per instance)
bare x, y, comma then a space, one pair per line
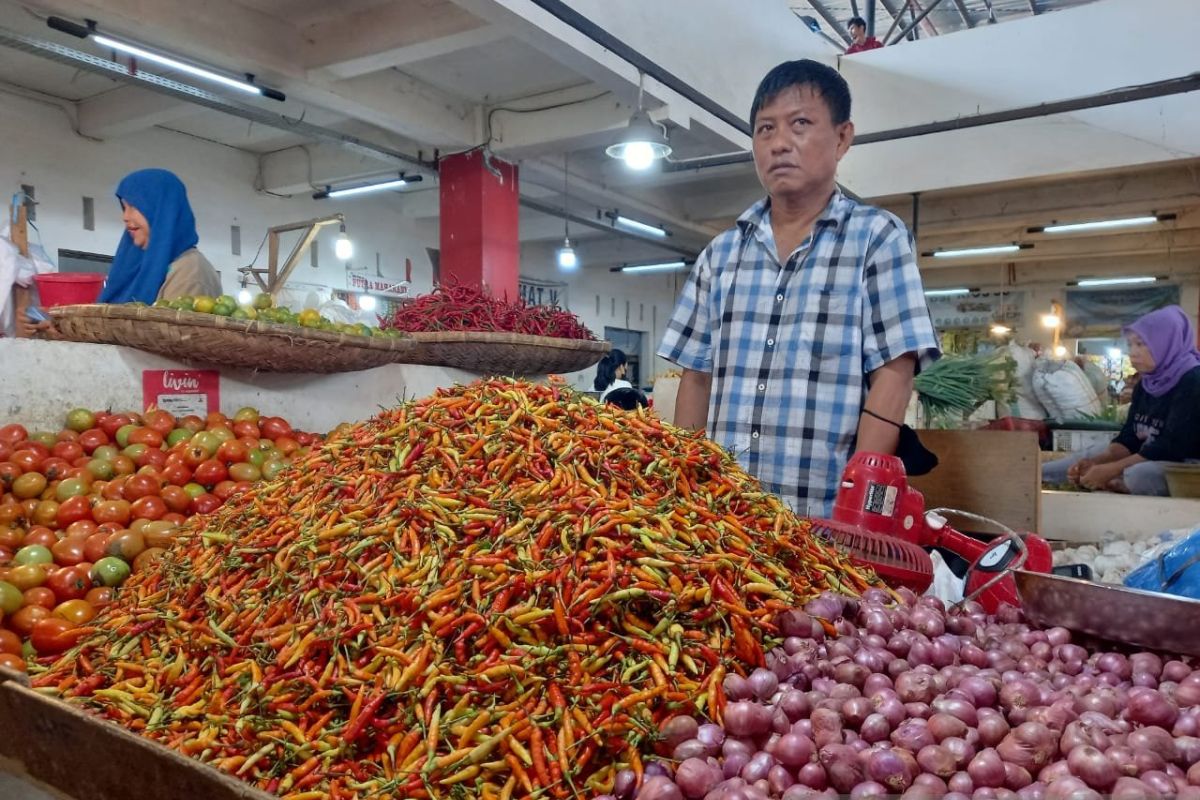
858, 30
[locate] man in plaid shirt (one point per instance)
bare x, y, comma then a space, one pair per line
800, 329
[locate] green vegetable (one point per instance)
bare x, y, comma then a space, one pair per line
963, 383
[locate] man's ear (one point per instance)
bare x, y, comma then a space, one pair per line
845, 138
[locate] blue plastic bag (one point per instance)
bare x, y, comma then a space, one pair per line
1176, 571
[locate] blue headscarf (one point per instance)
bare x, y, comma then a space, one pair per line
138, 274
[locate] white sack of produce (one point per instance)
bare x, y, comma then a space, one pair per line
1064, 390
1112, 560
1026, 405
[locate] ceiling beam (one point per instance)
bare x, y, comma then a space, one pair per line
924, 17
411, 53
128, 109
962, 12
1047, 248
831, 20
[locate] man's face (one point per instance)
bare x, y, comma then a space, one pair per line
858, 33
796, 145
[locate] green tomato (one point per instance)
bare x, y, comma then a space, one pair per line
80, 419
101, 470
134, 450
123, 434
105, 452
11, 598
110, 571
272, 468
223, 433
207, 441
70, 487
43, 438
257, 457
246, 414
194, 490
33, 554
178, 435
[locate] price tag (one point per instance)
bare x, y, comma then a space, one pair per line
182, 392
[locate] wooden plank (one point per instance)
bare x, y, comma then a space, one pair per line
105, 762
997, 474
1087, 517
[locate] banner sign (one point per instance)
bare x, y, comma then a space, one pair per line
1106, 311
182, 391
384, 287
976, 310
542, 293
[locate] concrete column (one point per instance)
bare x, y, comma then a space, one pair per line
479, 223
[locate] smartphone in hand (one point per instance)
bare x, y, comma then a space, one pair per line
35, 314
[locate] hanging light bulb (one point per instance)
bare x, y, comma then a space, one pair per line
643, 141
244, 297
568, 260
343, 248
366, 302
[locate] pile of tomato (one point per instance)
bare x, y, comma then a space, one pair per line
82, 508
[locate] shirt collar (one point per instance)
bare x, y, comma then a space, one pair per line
837, 211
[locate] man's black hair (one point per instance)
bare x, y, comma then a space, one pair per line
825, 81
859, 21
626, 398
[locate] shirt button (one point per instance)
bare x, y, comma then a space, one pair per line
754, 435
770, 342
762, 387
779, 298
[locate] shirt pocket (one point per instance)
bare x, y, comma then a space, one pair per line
826, 326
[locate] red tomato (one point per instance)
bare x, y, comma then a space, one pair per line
13, 662
112, 511
78, 611
232, 452
139, 486
205, 504
41, 595
40, 535
27, 460
11, 537
177, 518
12, 434
54, 635
113, 423
287, 445
159, 421
100, 596
82, 528
10, 511
149, 507
9, 642
23, 620
109, 527
82, 461
74, 509
209, 473
67, 451
69, 583
92, 438
123, 465
69, 551
146, 436
151, 457
242, 486
176, 474
176, 498
114, 489
9, 472
94, 546
194, 456
215, 419
55, 468
224, 490
305, 439
192, 423
246, 430
275, 427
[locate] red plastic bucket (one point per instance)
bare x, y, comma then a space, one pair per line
69, 288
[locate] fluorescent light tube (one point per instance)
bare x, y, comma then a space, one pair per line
641, 227
1073, 227
371, 187
172, 63
977, 251
1117, 281
945, 292
669, 266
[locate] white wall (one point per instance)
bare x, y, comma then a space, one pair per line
40, 149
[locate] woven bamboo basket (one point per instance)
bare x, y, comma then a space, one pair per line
223, 341
514, 354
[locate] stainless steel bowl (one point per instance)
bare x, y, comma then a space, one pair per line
1146, 619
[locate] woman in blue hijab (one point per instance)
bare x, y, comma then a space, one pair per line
157, 257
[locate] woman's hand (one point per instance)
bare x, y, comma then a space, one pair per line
1080, 467
1098, 476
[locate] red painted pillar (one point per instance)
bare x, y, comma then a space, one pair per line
479, 223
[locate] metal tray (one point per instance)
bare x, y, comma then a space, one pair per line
1146, 619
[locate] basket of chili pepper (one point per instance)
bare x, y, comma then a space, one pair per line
465, 327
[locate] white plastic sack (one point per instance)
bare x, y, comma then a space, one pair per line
1026, 404
17, 270
1096, 375
1064, 390
946, 586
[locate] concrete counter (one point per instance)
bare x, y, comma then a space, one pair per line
41, 380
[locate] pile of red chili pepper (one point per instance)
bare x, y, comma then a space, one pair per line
469, 308
499, 591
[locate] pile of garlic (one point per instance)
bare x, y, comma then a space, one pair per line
1116, 557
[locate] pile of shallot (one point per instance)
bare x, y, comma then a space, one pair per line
913, 702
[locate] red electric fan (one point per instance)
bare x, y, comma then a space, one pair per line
881, 521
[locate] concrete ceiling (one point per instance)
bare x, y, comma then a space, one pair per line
420, 75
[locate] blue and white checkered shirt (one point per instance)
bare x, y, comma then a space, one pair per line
790, 346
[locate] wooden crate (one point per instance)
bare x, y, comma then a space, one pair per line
86, 758
997, 474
